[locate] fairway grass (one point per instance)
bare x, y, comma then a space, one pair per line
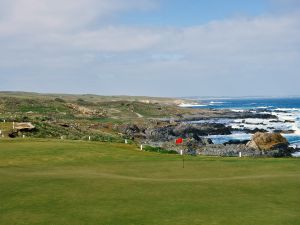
59, 182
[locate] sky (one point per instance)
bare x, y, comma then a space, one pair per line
170, 48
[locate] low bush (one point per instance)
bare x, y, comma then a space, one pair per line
158, 149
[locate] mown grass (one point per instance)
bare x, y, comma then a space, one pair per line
75, 182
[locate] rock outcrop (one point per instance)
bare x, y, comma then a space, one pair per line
204, 129
229, 150
268, 141
164, 136
190, 145
169, 132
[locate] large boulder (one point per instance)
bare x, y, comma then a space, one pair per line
268, 141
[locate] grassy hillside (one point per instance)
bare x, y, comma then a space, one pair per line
80, 116
75, 182
91, 98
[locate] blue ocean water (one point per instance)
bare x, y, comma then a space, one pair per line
287, 111
252, 103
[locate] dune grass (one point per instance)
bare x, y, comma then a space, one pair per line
75, 182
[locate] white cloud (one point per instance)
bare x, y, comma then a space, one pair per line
116, 39
19, 16
74, 38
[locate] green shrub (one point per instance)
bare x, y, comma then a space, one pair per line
59, 100
159, 149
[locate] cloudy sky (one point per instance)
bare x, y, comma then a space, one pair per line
151, 47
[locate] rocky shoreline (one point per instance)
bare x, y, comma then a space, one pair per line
156, 122
196, 142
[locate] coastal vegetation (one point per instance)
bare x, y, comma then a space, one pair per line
155, 122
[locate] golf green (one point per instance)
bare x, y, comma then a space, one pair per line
74, 182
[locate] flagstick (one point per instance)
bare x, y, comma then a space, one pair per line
182, 158
180, 141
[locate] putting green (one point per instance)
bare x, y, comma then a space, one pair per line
74, 182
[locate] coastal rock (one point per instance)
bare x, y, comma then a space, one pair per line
252, 145
253, 131
129, 130
190, 146
228, 114
228, 150
160, 133
284, 131
268, 141
171, 131
205, 129
206, 141
235, 149
236, 142
246, 115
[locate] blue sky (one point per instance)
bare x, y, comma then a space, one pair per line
185, 13
151, 47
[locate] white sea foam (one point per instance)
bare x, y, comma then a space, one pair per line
221, 139
296, 128
184, 105
296, 154
214, 120
237, 110
285, 116
212, 102
290, 116
263, 107
286, 109
266, 124
250, 120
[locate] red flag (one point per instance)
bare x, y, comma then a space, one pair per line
179, 141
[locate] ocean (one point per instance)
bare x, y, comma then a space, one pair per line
286, 109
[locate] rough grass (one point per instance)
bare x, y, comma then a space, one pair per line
5, 128
75, 182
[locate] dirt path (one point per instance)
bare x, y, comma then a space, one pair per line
139, 115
